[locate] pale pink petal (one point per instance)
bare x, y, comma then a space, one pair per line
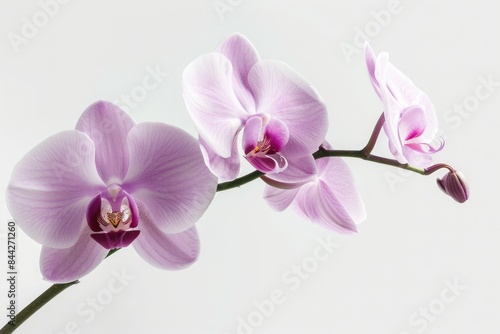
371, 59
283, 93
165, 251
252, 133
227, 169
107, 125
415, 157
299, 170
407, 94
274, 134
412, 123
211, 101
167, 173
277, 133
321, 206
337, 175
401, 87
69, 264
331, 200
51, 186
279, 199
242, 55
391, 106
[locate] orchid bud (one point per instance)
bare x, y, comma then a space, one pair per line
454, 185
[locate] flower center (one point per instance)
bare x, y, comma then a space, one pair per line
113, 215
263, 147
114, 220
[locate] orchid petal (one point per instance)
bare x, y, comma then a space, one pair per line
299, 170
401, 87
321, 206
70, 264
227, 169
211, 101
107, 125
283, 93
371, 59
391, 106
412, 123
252, 133
165, 251
167, 173
279, 199
331, 200
277, 132
414, 156
337, 175
51, 187
242, 55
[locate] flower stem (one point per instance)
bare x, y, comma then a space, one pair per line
361, 154
239, 181
35, 305
40, 301
373, 138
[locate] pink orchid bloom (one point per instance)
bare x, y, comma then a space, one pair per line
281, 114
329, 199
410, 119
107, 184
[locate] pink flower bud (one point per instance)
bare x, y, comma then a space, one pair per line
454, 185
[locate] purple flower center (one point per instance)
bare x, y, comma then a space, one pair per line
263, 147
113, 215
263, 139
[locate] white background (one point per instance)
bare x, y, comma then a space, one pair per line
380, 281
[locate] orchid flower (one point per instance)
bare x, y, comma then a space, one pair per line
108, 184
410, 119
281, 114
329, 199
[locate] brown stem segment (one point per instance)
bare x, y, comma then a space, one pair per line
373, 138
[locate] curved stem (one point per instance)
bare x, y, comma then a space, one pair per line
373, 138
323, 153
35, 305
239, 181
40, 301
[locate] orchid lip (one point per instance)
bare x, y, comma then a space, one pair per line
114, 240
113, 214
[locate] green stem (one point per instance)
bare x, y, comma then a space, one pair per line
40, 301
35, 305
239, 181
323, 153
